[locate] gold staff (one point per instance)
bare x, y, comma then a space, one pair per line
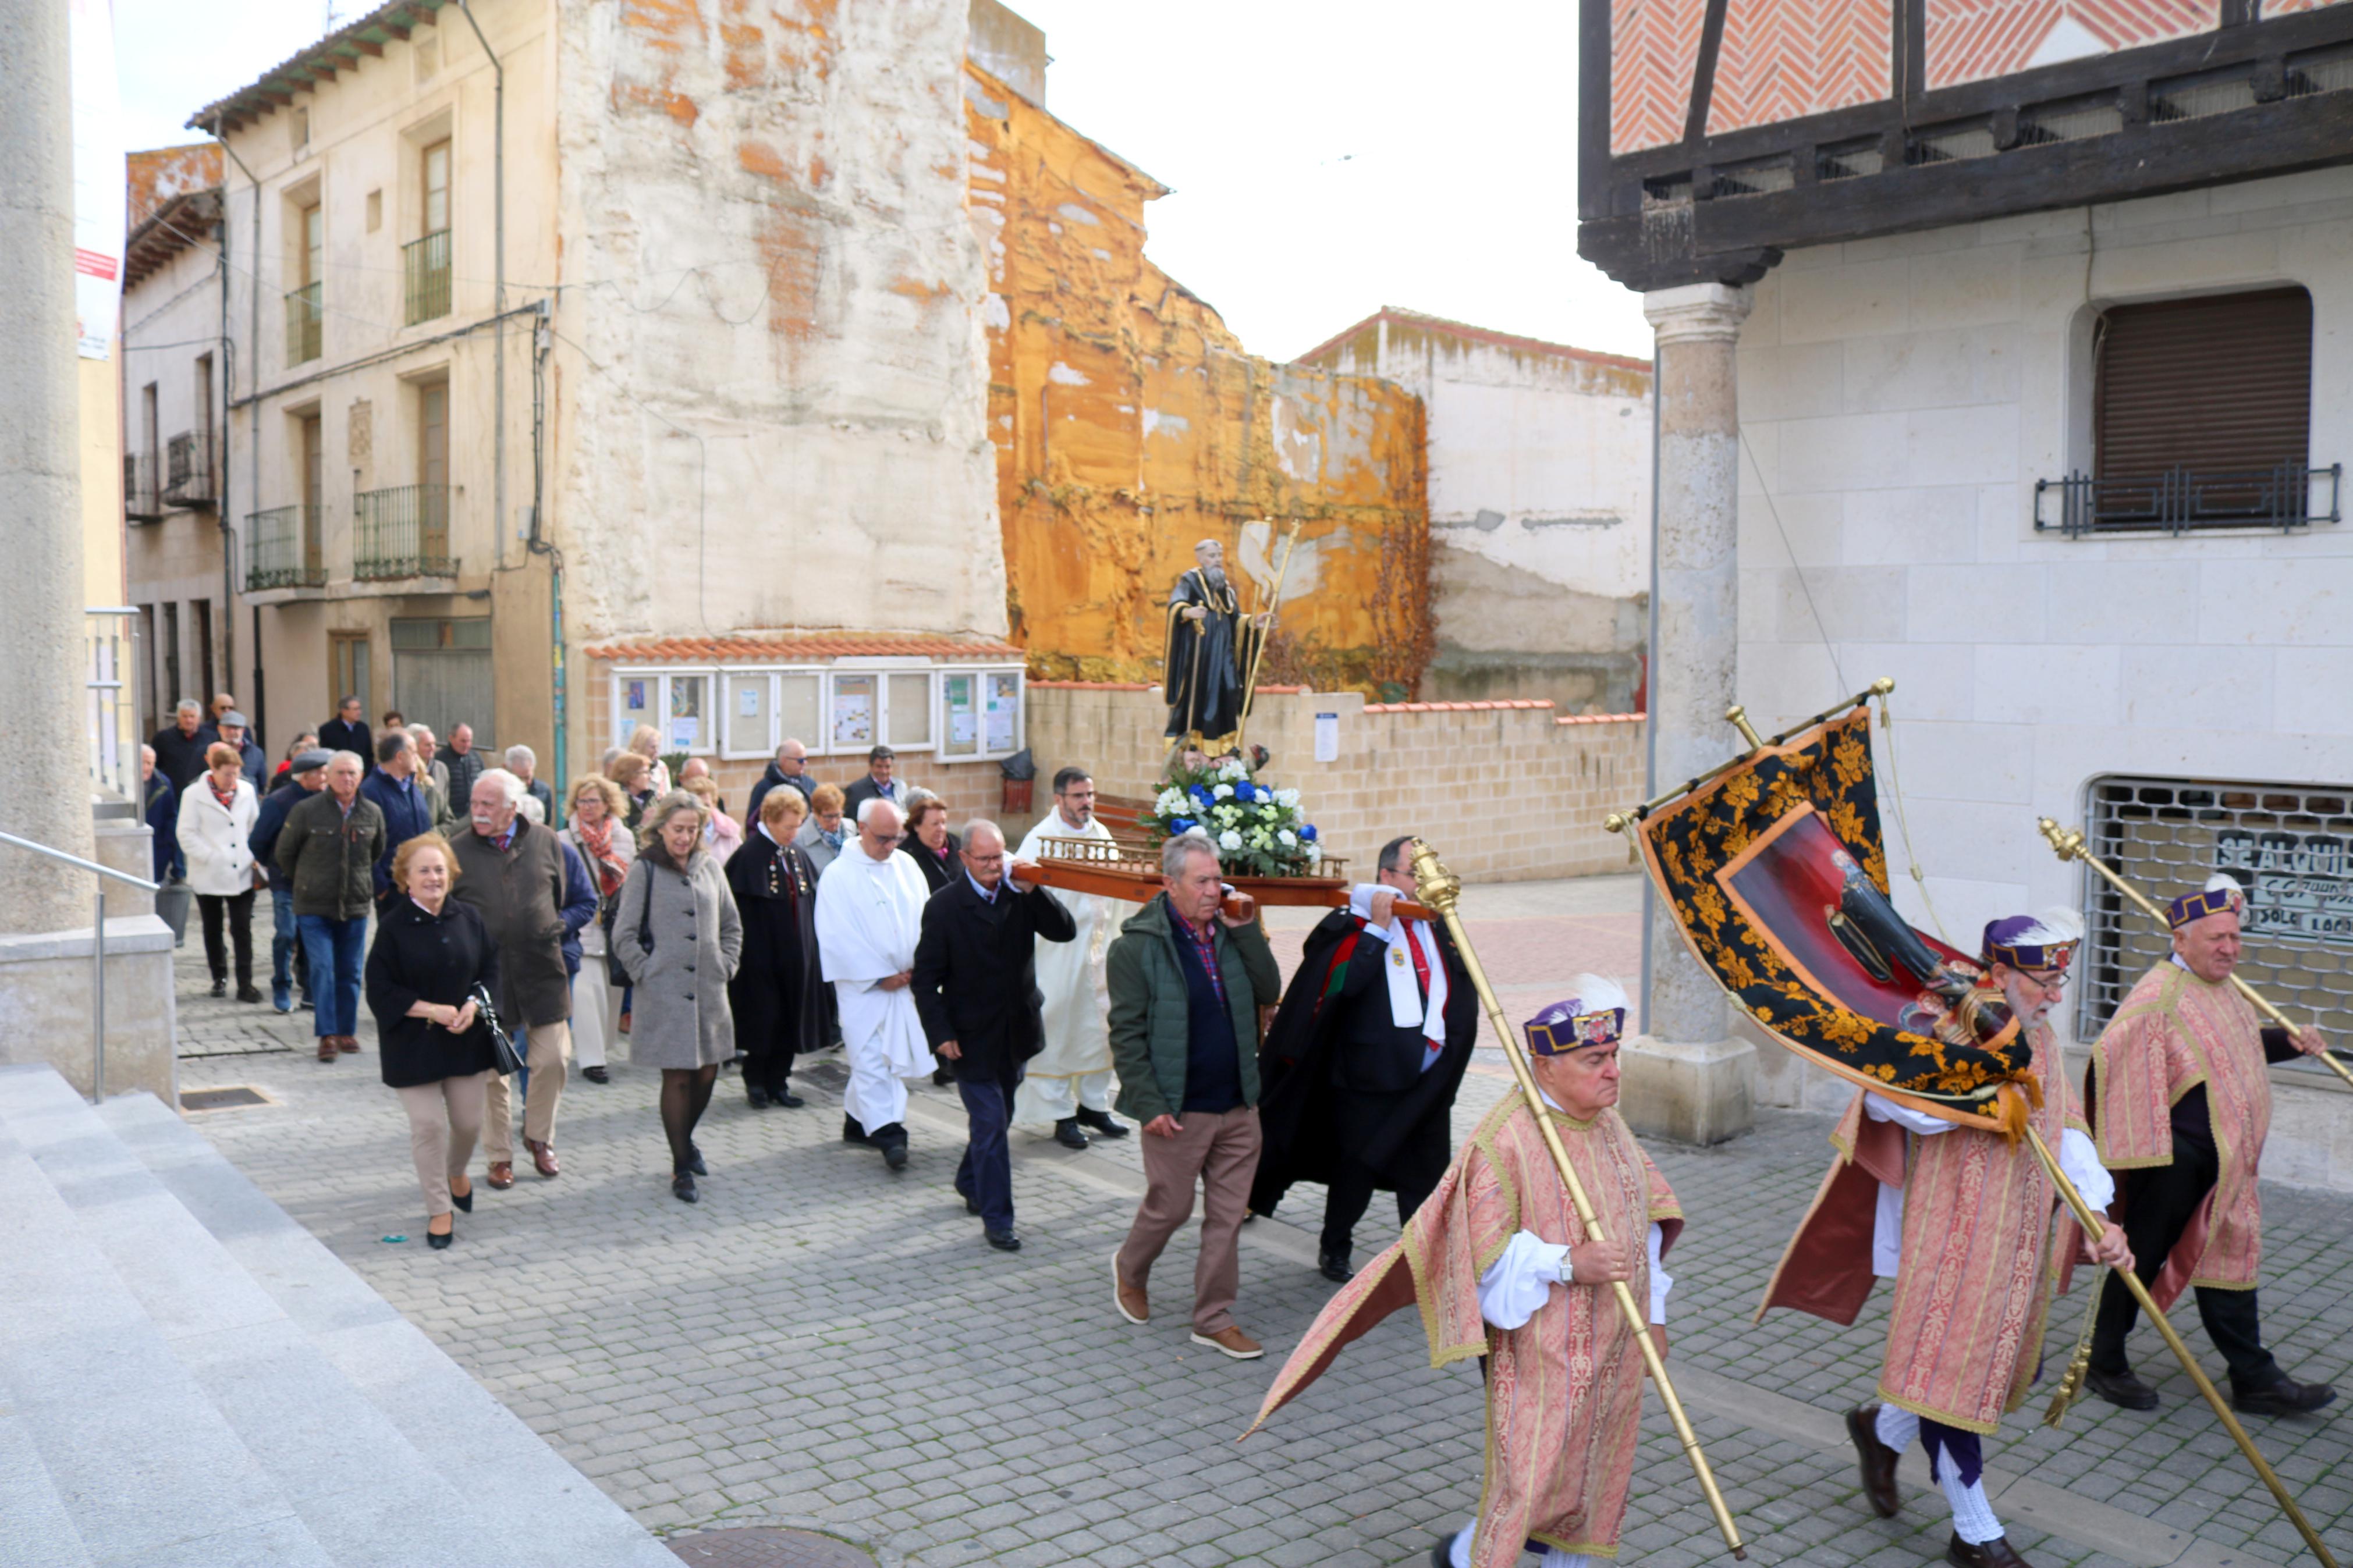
1274, 608
2069, 846
1439, 888
2092, 1222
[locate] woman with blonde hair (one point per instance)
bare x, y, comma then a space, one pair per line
678, 935
826, 830
720, 835
646, 741
432, 954
596, 832
775, 994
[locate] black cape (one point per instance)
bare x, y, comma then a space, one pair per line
1305, 1121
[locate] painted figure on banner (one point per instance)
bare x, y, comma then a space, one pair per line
1962, 1219
1208, 652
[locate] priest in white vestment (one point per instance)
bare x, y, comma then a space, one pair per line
1068, 1084
869, 910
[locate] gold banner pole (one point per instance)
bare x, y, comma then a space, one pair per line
2092, 1223
2069, 846
1439, 888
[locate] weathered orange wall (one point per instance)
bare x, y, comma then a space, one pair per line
1129, 423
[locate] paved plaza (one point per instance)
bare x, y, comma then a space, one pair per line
821, 1344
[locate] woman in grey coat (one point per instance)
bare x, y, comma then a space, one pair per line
679, 937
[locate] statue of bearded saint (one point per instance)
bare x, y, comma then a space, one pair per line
1210, 648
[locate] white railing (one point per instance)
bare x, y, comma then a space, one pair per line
110, 706
97, 948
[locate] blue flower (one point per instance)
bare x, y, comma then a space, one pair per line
1249, 792
1181, 825
1200, 793
1307, 833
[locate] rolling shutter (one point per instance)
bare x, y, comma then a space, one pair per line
2207, 385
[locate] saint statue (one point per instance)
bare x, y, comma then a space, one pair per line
1211, 648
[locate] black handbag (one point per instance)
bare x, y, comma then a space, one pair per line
504, 1058
614, 973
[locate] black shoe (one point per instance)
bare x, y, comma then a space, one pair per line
2121, 1389
1334, 1266
1443, 1554
2286, 1398
220, 987
464, 1205
757, 1096
972, 1206
894, 1152
682, 1187
851, 1133
248, 994
1995, 1554
1101, 1121
694, 1161
1003, 1240
596, 1075
943, 1076
788, 1099
1067, 1134
1877, 1461
441, 1243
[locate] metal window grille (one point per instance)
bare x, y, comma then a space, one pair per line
426, 263
139, 502
2291, 845
188, 468
305, 310
403, 532
283, 548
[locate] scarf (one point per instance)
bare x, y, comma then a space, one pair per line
598, 841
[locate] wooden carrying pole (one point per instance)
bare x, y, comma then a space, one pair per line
2093, 1223
1439, 888
2069, 846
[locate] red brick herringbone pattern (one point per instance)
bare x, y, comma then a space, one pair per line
1654, 48
1784, 59
1969, 40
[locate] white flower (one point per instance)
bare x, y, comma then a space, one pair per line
1287, 838
1223, 791
1287, 798
1315, 854
1230, 839
1233, 768
1171, 802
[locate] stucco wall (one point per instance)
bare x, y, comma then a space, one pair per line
1130, 423
1899, 398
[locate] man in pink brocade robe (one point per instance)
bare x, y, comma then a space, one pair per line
2180, 1103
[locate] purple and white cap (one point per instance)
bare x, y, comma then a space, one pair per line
1596, 1015
2221, 893
2047, 940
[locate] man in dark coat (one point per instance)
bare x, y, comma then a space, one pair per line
976, 991
775, 992
791, 768
180, 747
289, 965
348, 732
879, 783
399, 793
325, 848
1364, 1060
161, 810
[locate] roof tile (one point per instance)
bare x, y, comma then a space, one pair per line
771, 646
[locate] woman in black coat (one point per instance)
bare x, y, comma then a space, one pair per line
430, 953
778, 992
929, 844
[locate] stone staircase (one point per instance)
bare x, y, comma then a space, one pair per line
188, 1379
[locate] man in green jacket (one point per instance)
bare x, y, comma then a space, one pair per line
327, 851
1187, 976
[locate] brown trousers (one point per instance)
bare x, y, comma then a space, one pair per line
444, 1120
1219, 1153
548, 1054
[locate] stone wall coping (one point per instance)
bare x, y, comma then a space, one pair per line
1601, 717
124, 934
1481, 707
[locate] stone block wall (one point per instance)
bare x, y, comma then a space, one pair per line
1504, 791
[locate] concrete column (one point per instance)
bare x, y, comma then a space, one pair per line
1683, 1078
41, 619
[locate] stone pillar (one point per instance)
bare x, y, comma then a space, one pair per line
1683, 1078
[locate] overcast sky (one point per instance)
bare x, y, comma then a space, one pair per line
1328, 156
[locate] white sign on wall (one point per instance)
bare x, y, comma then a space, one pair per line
100, 181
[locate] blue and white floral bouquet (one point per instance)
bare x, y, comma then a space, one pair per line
1259, 831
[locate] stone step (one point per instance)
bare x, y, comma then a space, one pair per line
38, 1532
533, 1507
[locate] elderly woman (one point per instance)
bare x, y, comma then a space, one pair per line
596, 835
647, 743
928, 843
216, 822
775, 994
823, 835
720, 835
431, 953
634, 778
679, 938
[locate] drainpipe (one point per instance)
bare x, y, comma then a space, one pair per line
253, 484
499, 273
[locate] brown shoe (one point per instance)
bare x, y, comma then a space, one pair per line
1232, 1342
1995, 1554
326, 1048
543, 1158
1878, 1461
1129, 1299
502, 1175
348, 1044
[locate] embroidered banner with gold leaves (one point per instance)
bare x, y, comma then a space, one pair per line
1777, 875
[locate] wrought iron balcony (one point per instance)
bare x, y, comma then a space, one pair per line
305, 312
139, 502
284, 548
188, 469
403, 532
426, 263
2286, 497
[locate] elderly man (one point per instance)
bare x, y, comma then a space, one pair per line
869, 910
433, 774
400, 794
880, 783
523, 763
231, 730
466, 765
1364, 1059
180, 746
160, 809
512, 872
288, 964
1188, 975
790, 767
1068, 1084
2181, 1105
327, 852
975, 985
348, 732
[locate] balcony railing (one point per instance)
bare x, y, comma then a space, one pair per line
402, 532
284, 549
426, 263
188, 469
139, 502
305, 310
2286, 497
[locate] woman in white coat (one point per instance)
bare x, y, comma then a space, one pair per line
216, 815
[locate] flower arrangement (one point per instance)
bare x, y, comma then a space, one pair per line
1257, 831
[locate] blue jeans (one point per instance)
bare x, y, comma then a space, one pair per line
285, 942
334, 948
986, 1174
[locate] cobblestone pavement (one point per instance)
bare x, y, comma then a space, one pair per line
819, 1344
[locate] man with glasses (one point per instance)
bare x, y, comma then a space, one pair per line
870, 912
1962, 1218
